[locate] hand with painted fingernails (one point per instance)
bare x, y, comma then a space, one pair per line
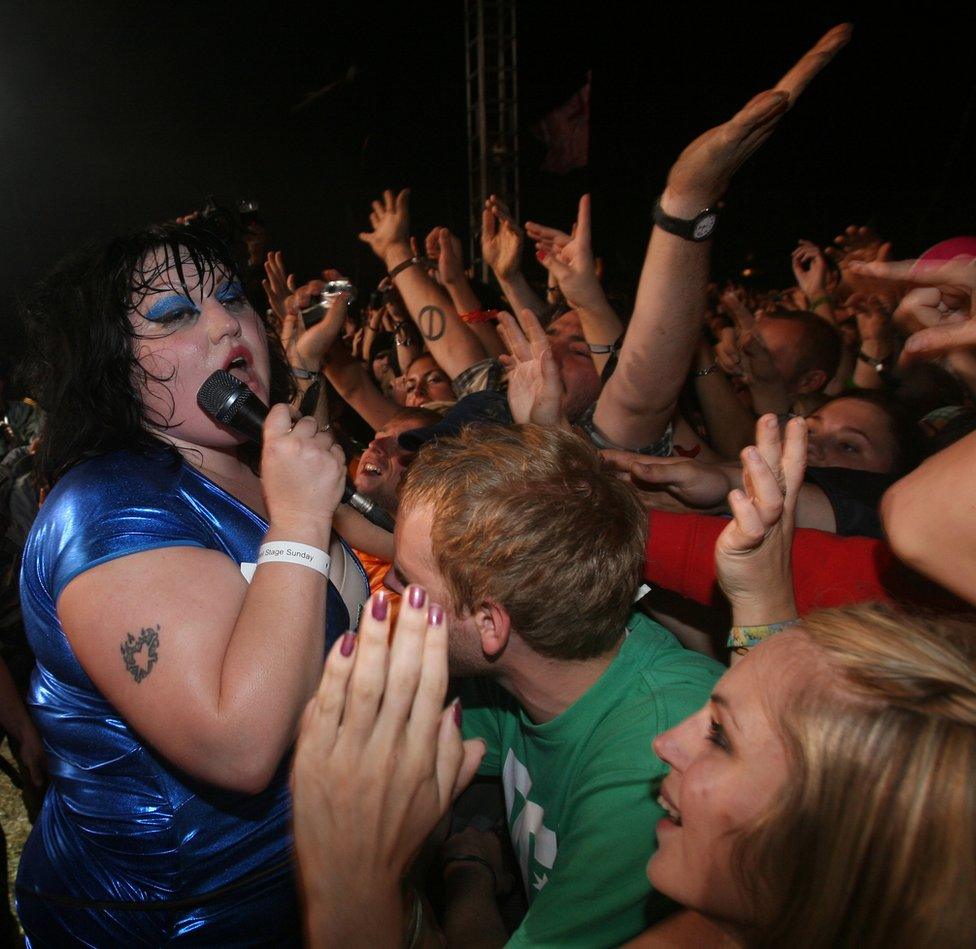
378, 762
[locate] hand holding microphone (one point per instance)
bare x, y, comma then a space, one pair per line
231, 403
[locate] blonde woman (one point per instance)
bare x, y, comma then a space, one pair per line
826, 795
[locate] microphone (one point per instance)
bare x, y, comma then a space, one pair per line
229, 401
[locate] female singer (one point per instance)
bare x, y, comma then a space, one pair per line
168, 687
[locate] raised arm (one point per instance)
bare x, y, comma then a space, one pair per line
572, 266
501, 247
670, 302
753, 553
450, 342
445, 248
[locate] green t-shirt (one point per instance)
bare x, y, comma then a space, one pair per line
581, 790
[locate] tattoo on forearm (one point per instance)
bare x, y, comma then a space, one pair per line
431, 322
140, 653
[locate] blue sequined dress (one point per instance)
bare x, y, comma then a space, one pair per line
128, 850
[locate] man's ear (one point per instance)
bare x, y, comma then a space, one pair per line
494, 625
812, 381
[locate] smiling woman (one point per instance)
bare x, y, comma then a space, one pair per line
168, 688
827, 794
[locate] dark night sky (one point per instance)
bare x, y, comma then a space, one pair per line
114, 114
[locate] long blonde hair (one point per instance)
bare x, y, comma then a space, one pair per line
873, 840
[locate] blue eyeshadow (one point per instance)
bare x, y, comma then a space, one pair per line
229, 290
165, 307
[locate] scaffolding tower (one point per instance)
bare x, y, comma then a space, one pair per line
492, 98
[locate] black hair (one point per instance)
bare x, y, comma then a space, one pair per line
81, 365
906, 433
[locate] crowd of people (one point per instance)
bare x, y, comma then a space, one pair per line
671, 644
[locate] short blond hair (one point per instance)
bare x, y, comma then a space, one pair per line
873, 840
528, 517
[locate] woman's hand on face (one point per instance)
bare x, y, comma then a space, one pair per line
378, 762
752, 554
303, 472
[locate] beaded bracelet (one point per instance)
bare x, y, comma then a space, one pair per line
745, 637
824, 299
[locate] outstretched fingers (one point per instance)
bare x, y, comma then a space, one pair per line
807, 67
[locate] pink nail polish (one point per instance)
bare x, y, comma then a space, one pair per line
381, 606
417, 596
435, 615
347, 644
458, 713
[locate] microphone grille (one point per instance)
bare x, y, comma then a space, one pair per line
219, 395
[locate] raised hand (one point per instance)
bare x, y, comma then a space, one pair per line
752, 554
444, 247
304, 347
378, 762
810, 270
704, 169
390, 220
535, 386
944, 303
572, 263
501, 240
862, 244
547, 239
278, 285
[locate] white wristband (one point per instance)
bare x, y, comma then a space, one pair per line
288, 551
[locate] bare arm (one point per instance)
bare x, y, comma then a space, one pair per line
730, 424
445, 248
354, 384
929, 517
213, 672
501, 247
450, 342
670, 301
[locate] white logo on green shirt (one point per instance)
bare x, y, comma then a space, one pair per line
528, 827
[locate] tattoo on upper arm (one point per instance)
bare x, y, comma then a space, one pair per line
140, 653
432, 323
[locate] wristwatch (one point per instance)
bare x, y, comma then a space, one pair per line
699, 228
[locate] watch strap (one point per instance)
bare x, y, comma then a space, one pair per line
700, 228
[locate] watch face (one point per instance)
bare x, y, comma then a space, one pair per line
704, 227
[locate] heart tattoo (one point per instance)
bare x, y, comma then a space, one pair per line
140, 653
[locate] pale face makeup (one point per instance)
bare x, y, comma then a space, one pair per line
189, 324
